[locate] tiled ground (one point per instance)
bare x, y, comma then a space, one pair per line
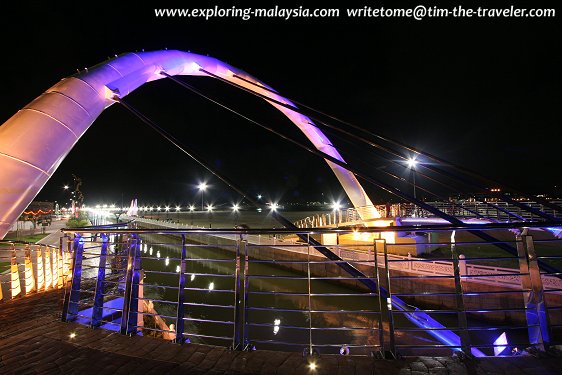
34, 341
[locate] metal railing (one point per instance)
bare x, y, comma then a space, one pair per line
27, 268
246, 289
493, 210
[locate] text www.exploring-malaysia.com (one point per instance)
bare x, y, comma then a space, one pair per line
418, 12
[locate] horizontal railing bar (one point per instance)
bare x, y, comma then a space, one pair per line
207, 305
405, 228
155, 300
207, 336
209, 321
210, 290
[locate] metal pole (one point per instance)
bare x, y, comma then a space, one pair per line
309, 301
72, 297
236, 340
537, 315
389, 316
180, 323
377, 276
97, 310
131, 296
459, 294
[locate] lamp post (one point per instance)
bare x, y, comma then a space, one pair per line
336, 207
191, 209
235, 210
412, 162
210, 210
202, 187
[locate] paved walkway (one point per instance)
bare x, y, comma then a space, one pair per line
34, 341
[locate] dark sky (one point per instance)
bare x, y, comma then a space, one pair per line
483, 93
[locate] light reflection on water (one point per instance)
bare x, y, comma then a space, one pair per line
203, 289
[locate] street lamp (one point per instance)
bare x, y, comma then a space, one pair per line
191, 209
336, 207
210, 210
412, 162
202, 187
235, 210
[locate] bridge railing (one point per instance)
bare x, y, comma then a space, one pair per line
27, 268
494, 210
248, 289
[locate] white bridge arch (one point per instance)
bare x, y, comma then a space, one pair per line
37, 138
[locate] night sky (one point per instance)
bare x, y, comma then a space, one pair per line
483, 93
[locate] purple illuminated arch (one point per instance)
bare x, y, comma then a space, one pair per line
35, 140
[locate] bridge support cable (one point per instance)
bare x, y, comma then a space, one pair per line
412, 313
430, 178
437, 159
371, 180
391, 151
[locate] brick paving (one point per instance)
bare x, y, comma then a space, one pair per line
33, 340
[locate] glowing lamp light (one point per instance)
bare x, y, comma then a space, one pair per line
72, 335
211, 286
192, 208
150, 251
158, 254
235, 208
273, 206
412, 162
192, 277
312, 366
167, 261
167, 208
177, 269
210, 208
158, 208
65, 187
336, 206
202, 186
178, 208
276, 324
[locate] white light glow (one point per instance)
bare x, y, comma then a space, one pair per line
192, 277
167, 261
202, 186
158, 254
412, 162
211, 286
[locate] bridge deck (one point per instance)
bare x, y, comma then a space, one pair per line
34, 340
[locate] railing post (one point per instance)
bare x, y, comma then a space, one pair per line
459, 294
72, 296
237, 339
180, 323
388, 316
131, 296
97, 310
537, 318
310, 352
378, 278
